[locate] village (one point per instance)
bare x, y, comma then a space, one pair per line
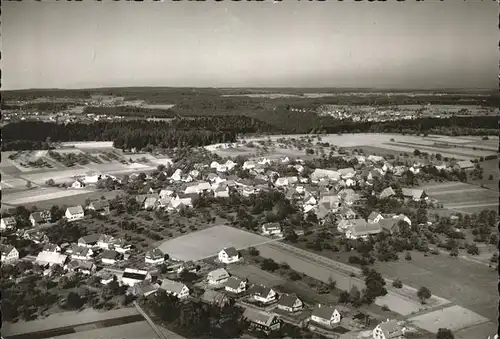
330, 197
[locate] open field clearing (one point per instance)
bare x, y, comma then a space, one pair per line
68, 151
457, 151
255, 275
478, 331
89, 144
208, 242
453, 317
465, 283
41, 194
8, 182
162, 161
410, 149
113, 167
57, 176
323, 269
135, 156
127, 331
462, 196
64, 319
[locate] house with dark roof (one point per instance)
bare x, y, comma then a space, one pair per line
414, 194
228, 255
51, 248
326, 315
155, 257
85, 267
375, 217
132, 276
40, 218
465, 165
262, 320
389, 225
262, 294
235, 285
89, 240
389, 329
175, 288
290, 303
110, 257
99, 206
144, 288
188, 266
81, 253
215, 298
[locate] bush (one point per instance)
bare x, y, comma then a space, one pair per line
294, 276
408, 256
397, 283
253, 251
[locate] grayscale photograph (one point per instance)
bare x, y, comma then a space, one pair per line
227, 169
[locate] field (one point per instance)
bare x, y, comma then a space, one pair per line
208, 242
465, 283
41, 194
89, 144
323, 269
255, 275
478, 331
453, 317
463, 197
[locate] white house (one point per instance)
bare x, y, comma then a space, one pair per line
228, 255
281, 182
218, 276
290, 303
90, 240
271, 228
262, 294
8, 223
74, 213
175, 288
221, 191
389, 329
131, 276
177, 176
92, 178
78, 184
375, 217
105, 241
248, 165
235, 285
326, 315
165, 193
9, 254
154, 257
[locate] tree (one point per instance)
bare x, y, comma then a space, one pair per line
490, 177
397, 283
374, 286
74, 301
408, 256
269, 265
28, 184
50, 182
444, 333
253, 251
423, 294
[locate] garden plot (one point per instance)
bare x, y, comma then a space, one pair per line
255, 275
454, 318
208, 242
41, 194
68, 151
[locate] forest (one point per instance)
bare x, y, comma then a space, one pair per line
202, 131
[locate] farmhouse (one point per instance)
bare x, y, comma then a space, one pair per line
154, 257
51, 258
175, 288
144, 288
81, 252
8, 223
375, 158
325, 315
78, 184
281, 182
85, 267
464, 165
74, 213
346, 173
37, 237
262, 294
164, 193
261, 320
235, 285
188, 266
100, 206
414, 194
273, 228
389, 329
387, 193
290, 303
217, 277
9, 254
389, 225
375, 217
90, 240
228, 255
40, 218
110, 257
52, 248
104, 241
215, 298
319, 173
131, 276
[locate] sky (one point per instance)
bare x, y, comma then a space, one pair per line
399, 45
